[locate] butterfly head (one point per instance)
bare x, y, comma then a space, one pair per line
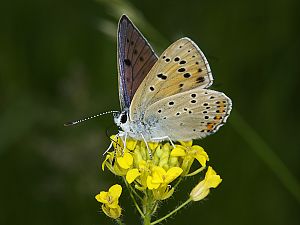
121, 119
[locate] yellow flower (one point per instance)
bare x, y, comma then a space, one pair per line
139, 174
189, 152
112, 212
157, 172
125, 161
162, 177
201, 190
132, 175
110, 198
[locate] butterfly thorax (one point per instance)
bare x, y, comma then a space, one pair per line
139, 129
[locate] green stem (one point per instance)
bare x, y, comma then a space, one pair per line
133, 199
196, 171
147, 219
171, 213
148, 206
136, 194
177, 183
154, 207
119, 222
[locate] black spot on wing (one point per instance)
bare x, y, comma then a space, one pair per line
127, 62
162, 76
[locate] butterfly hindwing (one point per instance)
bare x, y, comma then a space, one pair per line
180, 68
135, 59
189, 115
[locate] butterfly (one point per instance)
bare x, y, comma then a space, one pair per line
166, 97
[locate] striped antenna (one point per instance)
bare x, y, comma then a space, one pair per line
88, 118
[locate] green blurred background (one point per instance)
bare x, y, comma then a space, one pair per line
58, 63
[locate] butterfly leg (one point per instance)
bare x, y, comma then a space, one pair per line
123, 137
124, 143
149, 151
109, 147
111, 144
163, 138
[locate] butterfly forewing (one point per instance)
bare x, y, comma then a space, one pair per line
180, 68
189, 115
135, 59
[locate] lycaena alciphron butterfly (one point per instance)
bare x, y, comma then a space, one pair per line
165, 98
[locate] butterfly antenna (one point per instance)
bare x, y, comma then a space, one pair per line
88, 118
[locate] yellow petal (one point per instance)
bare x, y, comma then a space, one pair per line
200, 154
178, 151
172, 174
157, 178
102, 197
113, 204
125, 161
210, 172
211, 178
115, 191
150, 184
201, 159
214, 181
200, 151
186, 143
159, 170
132, 175
128, 157
130, 144
201, 190
157, 174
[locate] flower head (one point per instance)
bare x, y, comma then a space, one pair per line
110, 201
202, 189
156, 172
151, 172
161, 177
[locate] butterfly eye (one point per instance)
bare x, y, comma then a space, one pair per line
116, 114
123, 118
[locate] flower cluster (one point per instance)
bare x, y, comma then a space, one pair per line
110, 201
153, 170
